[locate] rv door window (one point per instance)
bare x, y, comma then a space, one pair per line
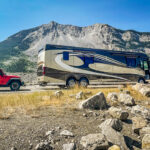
131, 62
65, 55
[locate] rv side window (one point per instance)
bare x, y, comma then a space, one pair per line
65, 55
131, 62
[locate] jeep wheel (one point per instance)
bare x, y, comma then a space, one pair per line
15, 86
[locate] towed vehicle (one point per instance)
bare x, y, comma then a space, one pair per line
12, 81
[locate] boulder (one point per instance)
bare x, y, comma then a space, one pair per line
69, 146
94, 141
116, 124
66, 133
137, 86
146, 142
58, 94
97, 101
43, 146
141, 110
145, 91
114, 137
138, 123
113, 99
114, 147
143, 131
126, 99
118, 113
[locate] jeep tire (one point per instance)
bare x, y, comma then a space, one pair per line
15, 85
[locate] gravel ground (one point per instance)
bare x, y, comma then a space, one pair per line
25, 131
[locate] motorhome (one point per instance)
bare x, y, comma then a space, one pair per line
67, 65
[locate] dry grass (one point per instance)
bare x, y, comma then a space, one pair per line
28, 102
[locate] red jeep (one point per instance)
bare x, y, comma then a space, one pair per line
14, 82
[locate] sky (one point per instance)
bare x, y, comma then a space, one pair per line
16, 15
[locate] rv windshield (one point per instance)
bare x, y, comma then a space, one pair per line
144, 64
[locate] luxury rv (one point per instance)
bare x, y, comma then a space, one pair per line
66, 65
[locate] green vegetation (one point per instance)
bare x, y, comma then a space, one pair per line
19, 65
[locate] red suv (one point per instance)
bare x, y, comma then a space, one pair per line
14, 82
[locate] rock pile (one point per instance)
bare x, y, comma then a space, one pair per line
143, 89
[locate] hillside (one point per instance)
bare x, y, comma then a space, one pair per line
102, 36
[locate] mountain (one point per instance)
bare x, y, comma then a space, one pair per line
101, 36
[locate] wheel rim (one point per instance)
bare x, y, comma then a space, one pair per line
141, 81
83, 83
15, 85
71, 83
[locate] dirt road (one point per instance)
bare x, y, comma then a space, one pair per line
37, 88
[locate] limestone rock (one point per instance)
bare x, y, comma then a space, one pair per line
112, 96
141, 110
145, 91
50, 132
13, 148
97, 101
58, 94
69, 146
114, 137
138, 123
66, 133
118, 113
94, 141
114, 123
146, 142
137, 87
126, 99
43, 146
145, 130
80, 95
114, 147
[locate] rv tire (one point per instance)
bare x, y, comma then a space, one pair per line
71, 82
141, 80
84, 82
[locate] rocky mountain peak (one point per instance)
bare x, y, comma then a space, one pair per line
100, 36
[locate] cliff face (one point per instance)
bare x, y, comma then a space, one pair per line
96, 36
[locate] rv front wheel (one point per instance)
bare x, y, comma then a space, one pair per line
141, 80
71, 82
83, 82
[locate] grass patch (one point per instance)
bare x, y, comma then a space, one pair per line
29, 102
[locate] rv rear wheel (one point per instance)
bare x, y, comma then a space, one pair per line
71, 82
83, 82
